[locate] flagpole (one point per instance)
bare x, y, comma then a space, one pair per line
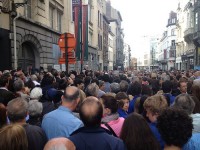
81, 36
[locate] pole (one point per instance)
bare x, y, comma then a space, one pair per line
66, 53
81, 37
15, 36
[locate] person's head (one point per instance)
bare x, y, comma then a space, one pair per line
167, 86
92, 90
47, 80
175, 127
146, 90
182, 86
3, 117
71, 97
79, 83
60, 143
17, 110
196, 90
18, 85
136, 134
91, 111
154, 105
197, 105
109, 104
13, 137
34, 77
4, 81
114, 87
35, 108
185, 102
101, 85
135, 89
36, 93
123, 100
123, 86
62, 84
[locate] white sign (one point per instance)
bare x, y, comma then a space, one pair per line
57, 67
63, 67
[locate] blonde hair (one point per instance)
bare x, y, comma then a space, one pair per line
13, 137
156, 103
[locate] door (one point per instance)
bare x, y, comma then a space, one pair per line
26, 56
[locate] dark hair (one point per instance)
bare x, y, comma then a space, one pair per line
47, 80
123, 86
62, 84
137, 134
70, 97
106, 78
3, 117
95, 81
196, 91
175, 126
119, 96
110, 102
135, 89
167, 86
78, 81
146, 90
30, 84
91, 117
197, 105
4, 79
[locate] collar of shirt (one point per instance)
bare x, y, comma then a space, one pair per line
3, 88
64, 109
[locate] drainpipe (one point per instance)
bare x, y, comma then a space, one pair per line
15, 40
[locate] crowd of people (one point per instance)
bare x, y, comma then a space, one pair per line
140, 110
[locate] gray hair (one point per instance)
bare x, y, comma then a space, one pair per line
18, 85
123, 86
17, 109
35, 108
92, 90
34, 77
185, 102
114, 87
36, 93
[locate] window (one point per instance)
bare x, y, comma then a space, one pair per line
51, 18
90, 38
172, 32
196, 21
90, 10
59, 21
98, 19
173, 20
28, 9
173, 43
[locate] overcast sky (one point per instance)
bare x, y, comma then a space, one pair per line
143, 18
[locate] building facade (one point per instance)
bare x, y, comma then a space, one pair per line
127, 56
38, 27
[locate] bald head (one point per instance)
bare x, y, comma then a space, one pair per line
59, 144
71, 93
91, 112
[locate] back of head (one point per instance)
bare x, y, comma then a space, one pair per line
134, 129
71, 94
156, 103
35, 108
91, 112
92, 90
114, 87
13, 137
17, 110
135, 89
18, 85
123, 86
36, 93
167, 86
175, 127
185, 102
4, 79
110, 102
59, 144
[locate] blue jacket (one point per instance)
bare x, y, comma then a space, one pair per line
95, 139
157, 135
132, 104
122, 113
193, 143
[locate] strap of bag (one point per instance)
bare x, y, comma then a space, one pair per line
111, 130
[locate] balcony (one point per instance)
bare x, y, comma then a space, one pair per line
196, 38
173, 47
188, 35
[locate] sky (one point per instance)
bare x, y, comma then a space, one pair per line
143, 18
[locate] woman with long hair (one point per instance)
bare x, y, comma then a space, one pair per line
137, 134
